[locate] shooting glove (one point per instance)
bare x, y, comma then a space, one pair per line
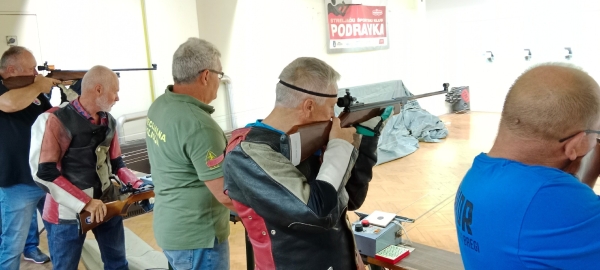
375, 125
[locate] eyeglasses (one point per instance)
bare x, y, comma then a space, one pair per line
220, 74
588, 131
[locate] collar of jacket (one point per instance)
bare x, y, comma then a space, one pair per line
277, 141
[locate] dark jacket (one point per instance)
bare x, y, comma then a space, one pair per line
294, 219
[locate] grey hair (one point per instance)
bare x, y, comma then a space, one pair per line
309, 73
9, 57
98, 75
191, 57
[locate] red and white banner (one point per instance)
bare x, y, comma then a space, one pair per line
356, 27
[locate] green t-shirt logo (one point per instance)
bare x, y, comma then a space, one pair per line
154, 133
210, 156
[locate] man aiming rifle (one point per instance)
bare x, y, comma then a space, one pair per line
18, 110
63, 77
294, 212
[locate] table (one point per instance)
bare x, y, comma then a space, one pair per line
423, 258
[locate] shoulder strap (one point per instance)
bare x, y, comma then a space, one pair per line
237, 136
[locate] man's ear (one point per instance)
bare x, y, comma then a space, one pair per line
308, 107
577, 146
11, 69
99, 89
203, 77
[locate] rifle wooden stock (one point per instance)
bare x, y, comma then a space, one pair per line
23, 81
58, 74
66, 75
113, 209
348, 119
587, 168
312, 136
316, 135
18, 82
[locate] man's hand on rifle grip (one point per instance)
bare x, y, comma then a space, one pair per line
45, 83
97, 210
337, 132
375, 125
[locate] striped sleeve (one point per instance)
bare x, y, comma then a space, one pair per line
49, 142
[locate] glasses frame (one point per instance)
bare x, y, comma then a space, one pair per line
587, 131
220, 74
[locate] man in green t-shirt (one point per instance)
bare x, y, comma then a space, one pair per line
185, 147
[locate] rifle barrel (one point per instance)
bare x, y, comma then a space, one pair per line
393, 101
427, 94
134, 69
154, 67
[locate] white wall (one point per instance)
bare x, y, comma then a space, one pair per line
17, 25
431, 42
79, 34
458, 32
169, 23
258, 39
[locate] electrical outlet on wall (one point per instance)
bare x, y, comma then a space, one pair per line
11, 41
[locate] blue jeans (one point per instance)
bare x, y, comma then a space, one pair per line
17, 207
33, 237
216, 258
66, 244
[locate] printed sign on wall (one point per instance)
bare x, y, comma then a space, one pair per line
356, 27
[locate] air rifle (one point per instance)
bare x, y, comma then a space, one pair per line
314, 136
58, 74
113, 209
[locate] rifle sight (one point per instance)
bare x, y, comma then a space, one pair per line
346, 100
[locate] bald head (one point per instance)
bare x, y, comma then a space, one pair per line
551, 101
98, 75
101, 85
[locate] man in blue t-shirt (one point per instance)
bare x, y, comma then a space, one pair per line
516, 208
